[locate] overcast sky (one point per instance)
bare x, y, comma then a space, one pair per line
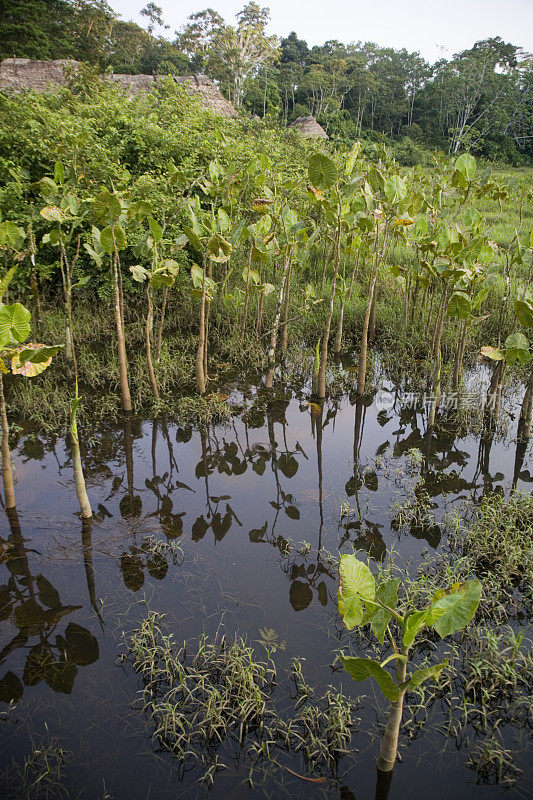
436, 29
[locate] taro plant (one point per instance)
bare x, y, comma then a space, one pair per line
111, 239
206, 234
20, 358
517, 350
161, 275
398, 620
65, 214
77, 468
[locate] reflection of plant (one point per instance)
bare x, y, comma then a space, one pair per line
153, 555
361, 602
36, 610
270, 640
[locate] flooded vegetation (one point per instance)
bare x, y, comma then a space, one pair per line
266, 412
187, 637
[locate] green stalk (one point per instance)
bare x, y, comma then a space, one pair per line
79, 480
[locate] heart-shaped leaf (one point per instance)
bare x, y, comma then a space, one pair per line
322, 171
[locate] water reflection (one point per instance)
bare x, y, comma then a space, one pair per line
257, 498
34, 608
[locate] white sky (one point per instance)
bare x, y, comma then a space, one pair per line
435, 29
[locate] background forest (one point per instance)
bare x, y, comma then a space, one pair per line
481, 99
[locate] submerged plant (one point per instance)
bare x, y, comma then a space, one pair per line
361, 602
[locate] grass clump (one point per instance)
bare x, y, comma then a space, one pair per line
41, 776
497, 545
493, 763
213, 698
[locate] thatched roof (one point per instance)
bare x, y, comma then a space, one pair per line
309, 128
24, 73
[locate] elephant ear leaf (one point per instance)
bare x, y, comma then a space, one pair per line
14, 324
322, 171
356, 584
452, 610
419, 676
387, 593
524, 312
362, 668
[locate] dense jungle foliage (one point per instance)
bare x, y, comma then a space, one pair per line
481, 99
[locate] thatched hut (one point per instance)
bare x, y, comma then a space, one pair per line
309, 128
17, 74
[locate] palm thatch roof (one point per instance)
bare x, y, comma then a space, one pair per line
309, 128
17, 74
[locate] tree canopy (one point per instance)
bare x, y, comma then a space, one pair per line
481, 99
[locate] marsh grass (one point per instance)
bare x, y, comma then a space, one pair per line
497, 545
41, 776
212, 696
493, 763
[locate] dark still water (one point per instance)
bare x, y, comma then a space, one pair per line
227, 525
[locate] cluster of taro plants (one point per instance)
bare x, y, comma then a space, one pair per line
254, 246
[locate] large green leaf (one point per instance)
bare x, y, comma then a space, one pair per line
419, 676
322, 171
413, 623
451, 611
193, 238
155, 229
14, 324
395, 189
362, 668
517, 348
351, 158
110, 236
356, 583
11, 235
387, 593
107, 208
219, 248
524, 312
459, 305
466, 165
161, 280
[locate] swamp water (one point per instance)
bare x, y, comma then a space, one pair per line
234, 528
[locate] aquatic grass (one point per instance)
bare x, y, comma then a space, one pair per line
489, 683
497, 544
214, 693
42, 774
493, 763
